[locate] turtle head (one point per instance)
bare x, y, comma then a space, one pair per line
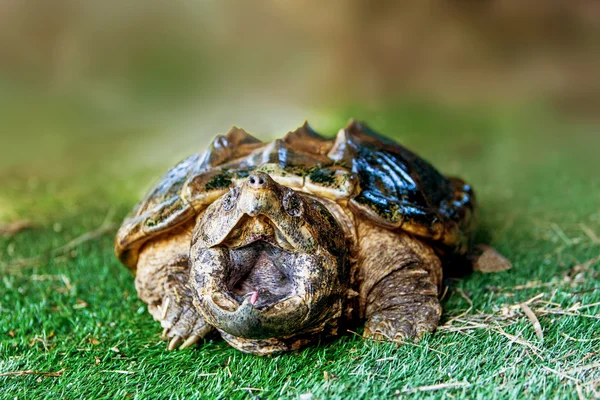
269, 266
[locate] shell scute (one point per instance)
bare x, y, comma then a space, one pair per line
400, 190
306, 140
161, 209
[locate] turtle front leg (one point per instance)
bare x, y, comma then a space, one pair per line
404, 305
162, 283
399, 277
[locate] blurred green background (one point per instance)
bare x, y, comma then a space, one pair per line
98, 99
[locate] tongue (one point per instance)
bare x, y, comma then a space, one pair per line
253, 297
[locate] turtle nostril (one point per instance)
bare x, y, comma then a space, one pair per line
256, 181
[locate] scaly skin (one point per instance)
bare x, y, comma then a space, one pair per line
404, 305
399, 280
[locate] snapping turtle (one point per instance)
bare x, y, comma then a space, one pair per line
273, 245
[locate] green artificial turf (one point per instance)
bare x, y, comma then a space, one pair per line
71, 325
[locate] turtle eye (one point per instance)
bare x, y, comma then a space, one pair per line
231, 199
292, 204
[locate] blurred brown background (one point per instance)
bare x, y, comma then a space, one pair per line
472, 48
79, 77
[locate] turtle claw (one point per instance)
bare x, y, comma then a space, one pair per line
390, 330
186, 332
404, 323
189, 342
174, 342
181, 322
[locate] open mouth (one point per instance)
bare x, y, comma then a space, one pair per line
261, 272
259, 295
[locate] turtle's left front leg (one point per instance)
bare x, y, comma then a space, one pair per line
404, 305
400, 279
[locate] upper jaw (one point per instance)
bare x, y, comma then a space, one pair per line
223, 219
250, 230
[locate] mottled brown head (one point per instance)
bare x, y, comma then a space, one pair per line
268, 266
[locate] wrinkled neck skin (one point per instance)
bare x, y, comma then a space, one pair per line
270, 267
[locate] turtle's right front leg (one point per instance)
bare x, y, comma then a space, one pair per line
162, 282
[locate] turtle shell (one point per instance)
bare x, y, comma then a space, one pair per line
373, 175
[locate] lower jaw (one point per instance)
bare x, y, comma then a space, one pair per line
270, 346
281, 320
